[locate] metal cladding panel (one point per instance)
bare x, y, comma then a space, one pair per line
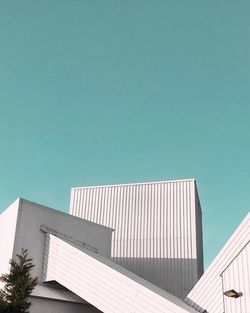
229, 270
152, 221
237, 276
104, 284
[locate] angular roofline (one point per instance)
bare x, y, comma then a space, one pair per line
234, 245
40, 206
131, 278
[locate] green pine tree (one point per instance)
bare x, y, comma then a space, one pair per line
18, 285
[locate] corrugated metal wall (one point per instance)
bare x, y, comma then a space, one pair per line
155, 228
229, 270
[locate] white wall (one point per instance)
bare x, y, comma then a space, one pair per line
229, 270
29, 236
104, 284
8, 220
237, 276
157, 226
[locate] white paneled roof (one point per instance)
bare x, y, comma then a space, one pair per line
104, 284
207, 294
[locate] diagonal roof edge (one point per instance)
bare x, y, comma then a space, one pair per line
132, 280
199, 295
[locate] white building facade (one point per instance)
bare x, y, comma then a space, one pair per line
22, 225
84, 265
230, 270
73, 266
157, 229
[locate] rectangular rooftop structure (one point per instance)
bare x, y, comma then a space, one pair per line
158, 229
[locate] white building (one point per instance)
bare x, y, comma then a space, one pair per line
26, 225
75, 257
229, 270
157, 229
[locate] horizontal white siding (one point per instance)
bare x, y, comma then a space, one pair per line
102, 283
152, 221
229, 270
237, 276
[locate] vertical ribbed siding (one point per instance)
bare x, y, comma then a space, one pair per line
152, 221
229, 270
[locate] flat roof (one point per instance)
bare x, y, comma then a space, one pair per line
136, 184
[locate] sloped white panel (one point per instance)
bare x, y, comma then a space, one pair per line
157, 226
229, 270
237, 276
104, 284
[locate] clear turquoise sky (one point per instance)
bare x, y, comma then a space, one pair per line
109, 91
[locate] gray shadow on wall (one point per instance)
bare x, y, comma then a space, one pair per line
176, 276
